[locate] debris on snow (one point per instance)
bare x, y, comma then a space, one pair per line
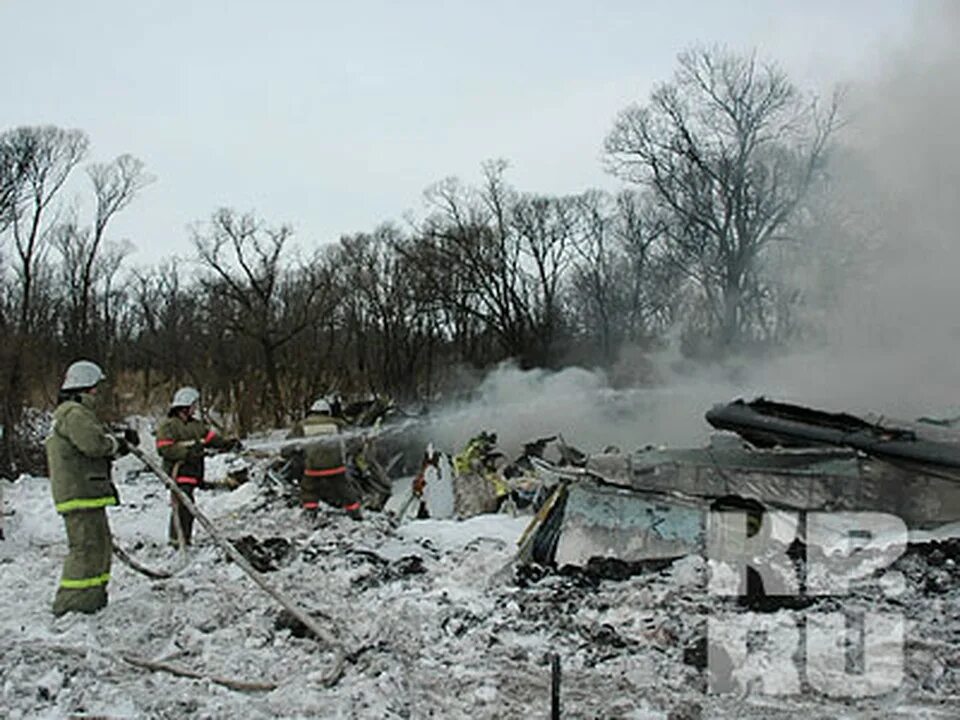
426, 632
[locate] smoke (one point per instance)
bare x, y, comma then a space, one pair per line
884, 282
579, 404
892, 328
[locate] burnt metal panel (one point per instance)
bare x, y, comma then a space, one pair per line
613, 522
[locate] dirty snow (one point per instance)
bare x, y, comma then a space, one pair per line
427, 632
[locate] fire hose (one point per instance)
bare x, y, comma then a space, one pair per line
324, 636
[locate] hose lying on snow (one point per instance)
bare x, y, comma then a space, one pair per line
133, 564
324, 636
162, 666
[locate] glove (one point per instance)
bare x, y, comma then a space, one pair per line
234, 445
122, 446
195, 450
132, 437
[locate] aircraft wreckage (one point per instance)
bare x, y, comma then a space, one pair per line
653, 504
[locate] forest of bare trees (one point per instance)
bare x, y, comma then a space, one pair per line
717, 166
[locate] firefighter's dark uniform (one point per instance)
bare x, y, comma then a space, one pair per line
325, 474
79, 452
180, 444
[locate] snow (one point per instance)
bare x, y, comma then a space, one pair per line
449, 535
428, 631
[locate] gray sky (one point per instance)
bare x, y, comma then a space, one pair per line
336, 116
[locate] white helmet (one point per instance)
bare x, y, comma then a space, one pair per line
81, 375
185, 397
320, 407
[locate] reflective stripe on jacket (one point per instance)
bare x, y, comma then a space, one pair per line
183, 442
79, 451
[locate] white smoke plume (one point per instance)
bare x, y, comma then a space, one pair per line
888, 286
579, 404
893, 330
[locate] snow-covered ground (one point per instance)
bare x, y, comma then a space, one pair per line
428, 629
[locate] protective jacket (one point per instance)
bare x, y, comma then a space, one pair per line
180, 444
325, 472
79, 451
325, 454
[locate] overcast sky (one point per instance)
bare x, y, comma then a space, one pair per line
335, 116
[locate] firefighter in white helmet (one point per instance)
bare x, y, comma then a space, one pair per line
79, 455
324, 477
182, 438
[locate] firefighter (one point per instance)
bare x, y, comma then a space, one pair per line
325, 473
79, 453
181, 440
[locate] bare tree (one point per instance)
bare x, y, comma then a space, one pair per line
169, 327
499, 259
37, 162
115, 184
729, 148
86, 273
46, 156
546, 233
389, 324
257, 294
651, 280
475, 258
11, 183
